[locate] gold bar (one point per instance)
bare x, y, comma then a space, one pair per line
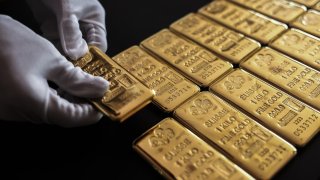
309, 22
254, 147
125, 96
282, 10
223, 41
296, 78
280, 112
299, 45
250, 23
177, 153
171, 89
317, 6
195, 62
308, 3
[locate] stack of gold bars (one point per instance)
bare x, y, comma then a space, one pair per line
257, 63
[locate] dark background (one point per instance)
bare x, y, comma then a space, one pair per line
104, 150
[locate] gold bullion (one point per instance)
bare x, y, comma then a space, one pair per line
309, 22
171, 89
254, 147
296, 78
177, 153
308, 3
201, 66
282, 10
223, 41
284, 114
252, 24
300, 45
125, 96
317, 6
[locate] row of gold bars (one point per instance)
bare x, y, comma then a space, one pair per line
217, 133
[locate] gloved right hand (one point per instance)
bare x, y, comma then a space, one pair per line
27, 62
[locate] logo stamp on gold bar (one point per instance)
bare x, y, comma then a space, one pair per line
171, 89
221, 40
177, 153
309, 22
197, 63
282, 113
250, 144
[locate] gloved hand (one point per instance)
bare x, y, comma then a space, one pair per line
27, 62
69, 21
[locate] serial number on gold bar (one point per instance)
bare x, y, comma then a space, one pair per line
171, 89
284, 114
282, 10
256, 148
309, 22
300, 45
223, 41
296, 78
125, 96
179, 154
308, 3
250, 23
197, 63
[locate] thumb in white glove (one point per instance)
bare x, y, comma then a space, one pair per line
27, 62
69, 21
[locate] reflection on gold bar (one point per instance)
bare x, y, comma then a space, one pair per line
247, 22
221, 40
197, 63
300, 45
282, 10
179, 154
296, 78
308, 3
125, 96
249, 143
284, 114
317, 6
309, 22
171, 89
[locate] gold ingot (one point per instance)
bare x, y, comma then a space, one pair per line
223, 41
250, 144
308, 3
300, 45
171, 89
282, 113
317, 6
250, 23
195, 62
177, 153
295, 78
125, 96
282, 10
309, 22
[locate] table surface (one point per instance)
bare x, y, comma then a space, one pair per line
104, 150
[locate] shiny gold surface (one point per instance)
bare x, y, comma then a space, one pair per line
284, 114
179, 154
197, 63
282, 10
309, 22
171, 89
317, 6
296, 78
223, 41
125, 96
301, 46
254, 147
307, 3
252, 24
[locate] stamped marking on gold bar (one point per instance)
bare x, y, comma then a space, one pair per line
171, 89
309, 22
125, 96
284, 114
197, 63
296, 78
282, 10
308, 3
300, 45
252, 24
221, 40
256, 148
179, 154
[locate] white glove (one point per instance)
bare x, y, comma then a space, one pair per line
69, 21
27, 62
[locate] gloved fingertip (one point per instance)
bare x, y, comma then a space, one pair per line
102, 86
